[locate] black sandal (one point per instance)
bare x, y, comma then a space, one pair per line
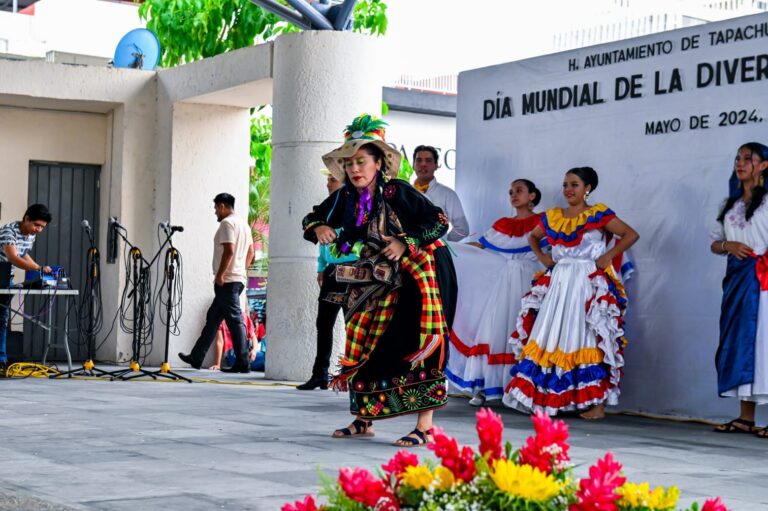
731, 427
361, 429
413, 442
763, 433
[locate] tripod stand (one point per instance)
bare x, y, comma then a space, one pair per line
92, 292
172, 266
140, 277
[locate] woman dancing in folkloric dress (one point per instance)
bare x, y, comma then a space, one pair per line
569, 336
742, 235
491, 284
400, 294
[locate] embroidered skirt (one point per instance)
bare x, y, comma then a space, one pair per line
386, 386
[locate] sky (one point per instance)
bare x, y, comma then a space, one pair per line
433, 37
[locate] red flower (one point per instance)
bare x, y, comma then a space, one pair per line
598, 491
361, 486
490, 429
460, 463
443, 445
714, 505
399, 462
390, 504
308, 504
465, 469
547, 450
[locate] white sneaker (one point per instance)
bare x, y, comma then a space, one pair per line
478, 400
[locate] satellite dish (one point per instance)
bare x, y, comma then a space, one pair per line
138, 49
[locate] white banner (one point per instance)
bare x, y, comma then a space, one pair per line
660, 118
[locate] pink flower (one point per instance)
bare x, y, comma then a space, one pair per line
598, 491
714, 505
362, 486
460, 463
399, 462
308, 504
490, 430
547, 450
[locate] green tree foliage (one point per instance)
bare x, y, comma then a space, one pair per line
195, 29
261, 151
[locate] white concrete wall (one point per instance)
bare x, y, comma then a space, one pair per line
322, 80
209, 155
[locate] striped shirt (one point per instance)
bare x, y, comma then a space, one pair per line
10, 234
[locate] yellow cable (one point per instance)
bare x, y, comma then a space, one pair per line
29, 369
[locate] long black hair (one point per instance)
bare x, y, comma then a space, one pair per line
531, 189
758, 192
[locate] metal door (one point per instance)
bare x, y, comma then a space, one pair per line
71, 192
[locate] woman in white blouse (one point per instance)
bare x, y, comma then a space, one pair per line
742, 234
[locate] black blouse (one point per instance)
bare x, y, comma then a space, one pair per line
423, 222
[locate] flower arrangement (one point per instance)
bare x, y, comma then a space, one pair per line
536, 477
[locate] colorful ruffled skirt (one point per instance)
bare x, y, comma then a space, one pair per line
490, 289
569, 340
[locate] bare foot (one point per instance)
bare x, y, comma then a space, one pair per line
595, 413
214, 367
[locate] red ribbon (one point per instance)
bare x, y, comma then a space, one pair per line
761, 269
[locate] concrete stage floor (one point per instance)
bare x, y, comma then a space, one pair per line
101, 445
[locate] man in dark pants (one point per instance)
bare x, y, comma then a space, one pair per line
326, 311
232, 255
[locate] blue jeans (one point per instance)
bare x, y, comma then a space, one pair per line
5, 313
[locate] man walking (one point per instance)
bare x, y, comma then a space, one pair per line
16, 241
425, 163
232, 255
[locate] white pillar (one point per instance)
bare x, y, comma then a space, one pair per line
322, 80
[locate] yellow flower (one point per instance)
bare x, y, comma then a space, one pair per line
632, 494
418, 477
524, 481
444, 479
661, 500
640, 495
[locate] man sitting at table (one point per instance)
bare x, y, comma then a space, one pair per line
16, 240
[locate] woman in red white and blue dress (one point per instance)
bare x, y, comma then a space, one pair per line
569, 338
741, 233
491, 283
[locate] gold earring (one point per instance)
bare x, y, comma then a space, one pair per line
760, 181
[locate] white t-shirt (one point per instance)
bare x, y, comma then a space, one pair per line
233, 230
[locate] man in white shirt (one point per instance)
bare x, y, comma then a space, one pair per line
425, 163
232, 255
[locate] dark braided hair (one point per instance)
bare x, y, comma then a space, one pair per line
758, 192
531, 189
588, 176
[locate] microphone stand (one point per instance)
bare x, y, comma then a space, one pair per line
93, 280
140, 274
172, 259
